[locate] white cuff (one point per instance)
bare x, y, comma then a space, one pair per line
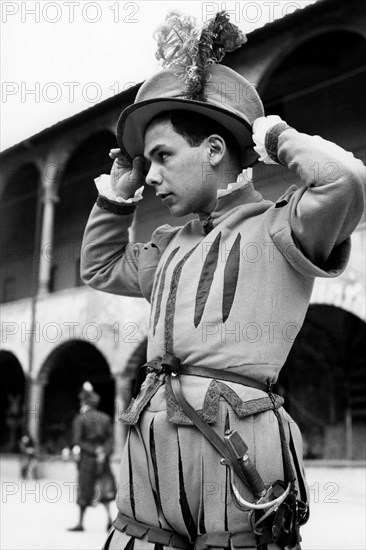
103, 184
260, 127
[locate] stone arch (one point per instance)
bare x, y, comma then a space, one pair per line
318, 86
61, 376
324, 383
76, 196
18, 213
285, 48
12, 393
348, 290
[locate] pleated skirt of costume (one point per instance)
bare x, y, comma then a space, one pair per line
172, 479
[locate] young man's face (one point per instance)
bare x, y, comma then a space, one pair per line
181, 174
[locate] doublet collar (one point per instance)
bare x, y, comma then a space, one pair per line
241, 195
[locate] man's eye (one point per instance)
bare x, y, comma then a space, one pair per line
163, 155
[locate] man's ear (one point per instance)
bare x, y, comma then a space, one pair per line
217, 149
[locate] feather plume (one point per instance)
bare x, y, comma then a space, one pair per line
183, 45
177, 41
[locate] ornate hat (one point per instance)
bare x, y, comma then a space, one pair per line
193, 80
88, 396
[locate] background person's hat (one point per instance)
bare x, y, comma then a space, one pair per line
88, 396
193, 81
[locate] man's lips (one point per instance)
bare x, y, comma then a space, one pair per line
164, 196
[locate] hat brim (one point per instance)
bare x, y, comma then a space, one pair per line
133, 121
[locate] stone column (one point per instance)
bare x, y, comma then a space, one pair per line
46, 244
34, 409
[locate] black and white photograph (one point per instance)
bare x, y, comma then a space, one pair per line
183, 275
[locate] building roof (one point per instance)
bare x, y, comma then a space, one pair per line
258, 36
299, 17
119, 100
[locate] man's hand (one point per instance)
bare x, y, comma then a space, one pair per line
126, 177
76, 451
65, 453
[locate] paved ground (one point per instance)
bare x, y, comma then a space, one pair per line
35, 515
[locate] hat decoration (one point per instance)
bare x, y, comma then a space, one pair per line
193, 79
191, 49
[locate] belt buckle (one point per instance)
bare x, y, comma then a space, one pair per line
170, 364
154, 367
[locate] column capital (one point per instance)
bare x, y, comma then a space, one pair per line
40, 381
49, 195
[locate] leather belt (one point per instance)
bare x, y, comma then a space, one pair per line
219, 374
171, 364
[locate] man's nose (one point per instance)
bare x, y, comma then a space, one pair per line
153, 177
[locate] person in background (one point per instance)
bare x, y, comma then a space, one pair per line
92, 445
29, 458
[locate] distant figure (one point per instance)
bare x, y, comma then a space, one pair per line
92, 440
29, 458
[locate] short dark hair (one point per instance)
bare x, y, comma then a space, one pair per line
195, 127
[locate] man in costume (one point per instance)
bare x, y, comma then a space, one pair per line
92, 445
220, 315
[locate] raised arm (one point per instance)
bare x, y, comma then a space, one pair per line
329, 206
109, 261
332, 205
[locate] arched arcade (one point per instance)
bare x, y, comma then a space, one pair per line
12, 392
61, 378
324, 383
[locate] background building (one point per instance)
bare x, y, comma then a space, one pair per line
310, 68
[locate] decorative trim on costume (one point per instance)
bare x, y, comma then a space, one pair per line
210, 409
231, 274
119, 209
171, 301
132, 413
271, 140
266, 131
206, 279
161, 288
